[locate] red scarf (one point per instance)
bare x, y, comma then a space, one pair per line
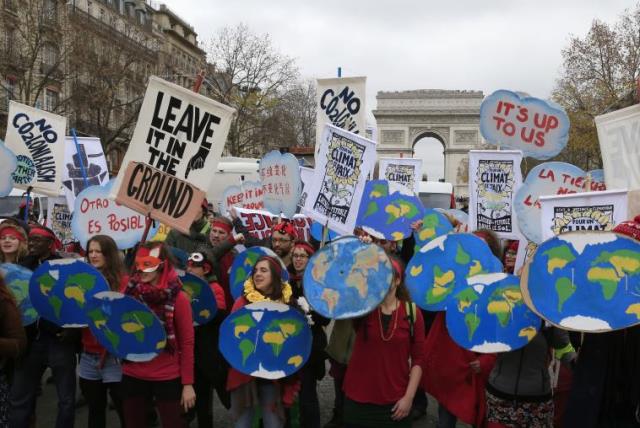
160, 298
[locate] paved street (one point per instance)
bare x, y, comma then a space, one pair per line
47, 410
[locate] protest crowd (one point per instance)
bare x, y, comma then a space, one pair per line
505, 315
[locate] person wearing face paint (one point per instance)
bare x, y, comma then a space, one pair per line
264, 284
221, 253
99, 371
379, 391
210, 366
166, 380
48, 346
13, 243
314, 369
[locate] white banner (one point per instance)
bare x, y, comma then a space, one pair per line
59, 219
341, 102
306, 176
95, 164
259, 223
404, 171
178, 132
619, 136
342, 165
494, 178
37, 139
582, 211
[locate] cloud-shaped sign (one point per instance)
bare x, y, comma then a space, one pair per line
8, 164
247, 195
549, 179
585, 281
280, 177
537, 127
96, 214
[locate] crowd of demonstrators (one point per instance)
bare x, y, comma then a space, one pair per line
100, 372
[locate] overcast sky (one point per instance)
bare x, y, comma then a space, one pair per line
416, 44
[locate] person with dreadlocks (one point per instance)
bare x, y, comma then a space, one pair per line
168, 378
247, 392
48, 346
379, 391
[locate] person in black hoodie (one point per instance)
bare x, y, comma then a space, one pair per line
48, 346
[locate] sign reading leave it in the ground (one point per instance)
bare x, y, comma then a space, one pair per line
179, 133
164, 197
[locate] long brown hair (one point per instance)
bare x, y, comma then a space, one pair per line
113, 268
276, 276
5, 293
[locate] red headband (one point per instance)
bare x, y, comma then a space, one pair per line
285, 227
40, 231
397, 267
305, 246
273, 262
11, 231
222, 225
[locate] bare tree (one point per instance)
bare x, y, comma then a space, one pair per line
599, 73
256, 76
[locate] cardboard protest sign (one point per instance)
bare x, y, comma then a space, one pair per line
538, 128
59, 290
585, 281
434, 224
259, 223
494, 178
8, 164
437, 272
126, 327
619, 146
17, 279
341, 102
92, 158
582, 211
179, 133
266, 340
36, 137
547, 179
201, 296
347, 278
164, 197
343, 164
161, 234
246, 195
495, 319
59, 219
96, 214
306, 176
280, 177
404, 171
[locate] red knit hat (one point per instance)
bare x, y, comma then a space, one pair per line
630, 228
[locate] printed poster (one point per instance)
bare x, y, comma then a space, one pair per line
37, 139
341, 102
259, 223
599, 211
59, 219
92, 158
620, 147
494, 177
343, 163
179, 132
404, 171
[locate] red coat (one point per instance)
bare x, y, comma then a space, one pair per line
449, 378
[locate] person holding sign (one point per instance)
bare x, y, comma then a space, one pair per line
221, 253
13, 242
100, 371
167, 380
379, 391
210, 367
265, 284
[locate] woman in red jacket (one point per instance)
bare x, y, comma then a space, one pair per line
100, 371
166, 380
379, 390
265, 284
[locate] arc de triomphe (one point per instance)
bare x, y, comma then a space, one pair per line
452, 117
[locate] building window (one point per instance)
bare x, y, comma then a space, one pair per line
50, 99
49, 55
49, 10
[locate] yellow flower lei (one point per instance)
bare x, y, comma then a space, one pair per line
253, 295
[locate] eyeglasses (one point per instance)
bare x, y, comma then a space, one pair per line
300, 256
280, 240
